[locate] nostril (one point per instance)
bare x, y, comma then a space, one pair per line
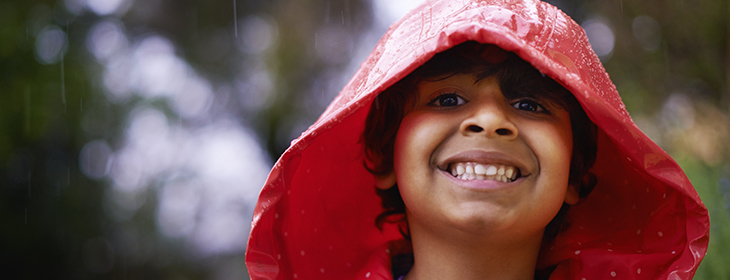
504, 131
474, 128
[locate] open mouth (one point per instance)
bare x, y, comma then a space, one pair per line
478, 171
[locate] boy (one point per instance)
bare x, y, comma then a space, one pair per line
476, 157
498, 131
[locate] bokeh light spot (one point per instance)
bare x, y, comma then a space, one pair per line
601, 37
106, 38
50, 45
647, 32
94, 159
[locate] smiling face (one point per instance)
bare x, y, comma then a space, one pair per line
469, 156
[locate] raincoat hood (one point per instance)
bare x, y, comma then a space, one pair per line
315, 217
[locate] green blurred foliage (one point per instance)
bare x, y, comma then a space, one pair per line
57, 223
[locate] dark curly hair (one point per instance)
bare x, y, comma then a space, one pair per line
515, 75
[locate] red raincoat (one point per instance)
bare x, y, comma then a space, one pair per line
315, 216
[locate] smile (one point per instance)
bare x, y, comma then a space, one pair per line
476, 171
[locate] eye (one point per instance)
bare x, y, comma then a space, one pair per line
447, 100
529, 105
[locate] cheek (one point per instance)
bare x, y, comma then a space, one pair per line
415, 141
564, 143
563, 147
410, 151
554, 145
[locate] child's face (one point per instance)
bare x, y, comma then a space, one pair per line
460, 123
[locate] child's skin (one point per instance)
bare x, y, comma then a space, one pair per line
480, 228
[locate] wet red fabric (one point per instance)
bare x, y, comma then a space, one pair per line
315, 216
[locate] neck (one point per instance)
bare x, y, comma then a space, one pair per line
462, 255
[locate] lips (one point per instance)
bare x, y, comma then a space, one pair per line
474, 165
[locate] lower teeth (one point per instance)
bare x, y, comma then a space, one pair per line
469, 177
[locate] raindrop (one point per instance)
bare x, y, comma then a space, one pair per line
235, 20
30, 178
63, 86
27, 110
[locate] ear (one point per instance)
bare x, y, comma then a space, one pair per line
385, 182
571, 195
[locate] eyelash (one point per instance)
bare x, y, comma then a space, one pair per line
538, 108
442, 97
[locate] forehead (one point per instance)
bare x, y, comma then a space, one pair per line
517, 78
456, 83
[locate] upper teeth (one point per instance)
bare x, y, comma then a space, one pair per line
472, 170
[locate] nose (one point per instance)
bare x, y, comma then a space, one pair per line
491, 121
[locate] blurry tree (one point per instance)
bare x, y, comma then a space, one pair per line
267, 62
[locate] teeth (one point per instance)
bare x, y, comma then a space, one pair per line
480, 170
492, 170
472, 171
